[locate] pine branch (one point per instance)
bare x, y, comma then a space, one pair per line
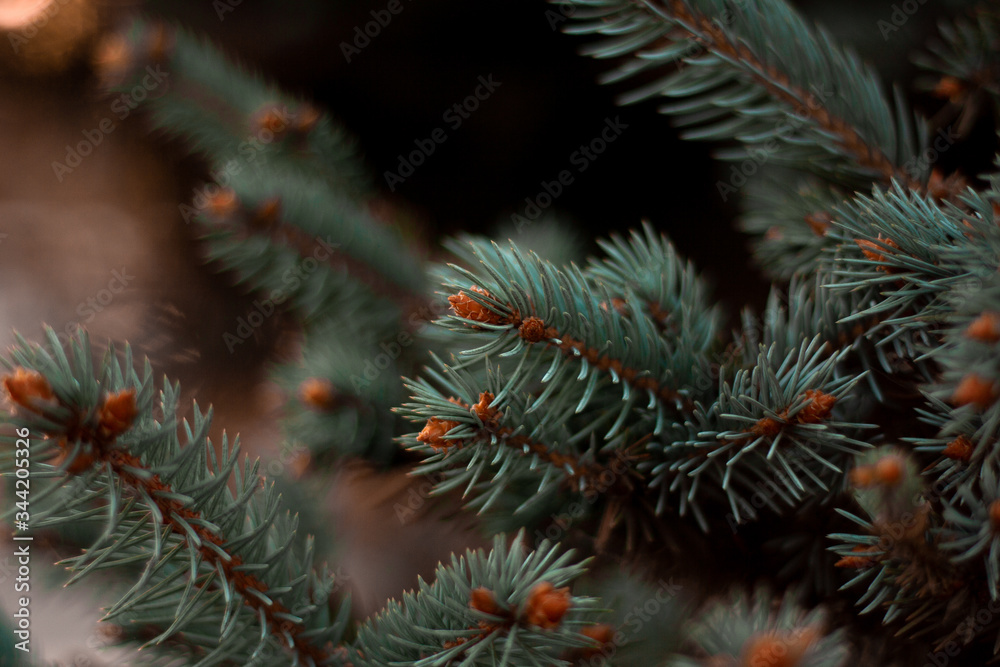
508, 607
759, 630
501, 450
757, 73
518, 301
777, 415
217, 563
278, 163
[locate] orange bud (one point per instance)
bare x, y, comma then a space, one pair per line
306, 119
777, 650
483, 409
482, 599
434, 431
875, 251
81, 463
532, 330
994, 512
941, 187
855, 562
317, 393
601, 633
889, 470
863, 476
26, 388
267, 214
766, 426
160, 41
547, 605
112, 57
819, 222
818, 409
117, 413
222, 204
300, 463
950, 88
465, 306
976, 390
959, 449
985, 328
273, 119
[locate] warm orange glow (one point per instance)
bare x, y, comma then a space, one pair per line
17, 14
45, 35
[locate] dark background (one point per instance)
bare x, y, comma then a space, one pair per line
60, 240
429, 57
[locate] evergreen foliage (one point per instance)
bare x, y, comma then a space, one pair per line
847, 433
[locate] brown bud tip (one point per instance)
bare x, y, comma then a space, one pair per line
975, 390
465, 306
482, 599
994, 512
601, 633
959, 449
778, 649
890, 470
621, 306
547, 605
27, 388
819, 222
117, 413
854, 562
870, 250
434, 431
483, 409
863, 476
306, 119
271, 119
300, 463
532, 330
949, 87
83, 461
267, 214
317, 393
160, 41
985, 328
874, 251
222, 204
819, 407
766, 426
112, 57
941, 187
